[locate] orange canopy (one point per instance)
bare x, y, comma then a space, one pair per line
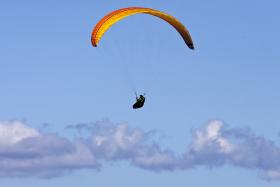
106, 22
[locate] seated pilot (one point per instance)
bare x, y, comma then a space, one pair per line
139, 102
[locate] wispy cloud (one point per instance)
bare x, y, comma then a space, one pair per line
25, 151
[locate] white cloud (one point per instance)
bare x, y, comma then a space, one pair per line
217, 145
15, 131
212, 135
271, 175
25, 151
115, 142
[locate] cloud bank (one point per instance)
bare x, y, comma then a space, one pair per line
27, 152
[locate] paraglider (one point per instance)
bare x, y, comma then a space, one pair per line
110, 19
139, 102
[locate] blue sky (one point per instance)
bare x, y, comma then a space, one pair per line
54, 83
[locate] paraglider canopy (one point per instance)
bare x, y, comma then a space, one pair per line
106, 22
